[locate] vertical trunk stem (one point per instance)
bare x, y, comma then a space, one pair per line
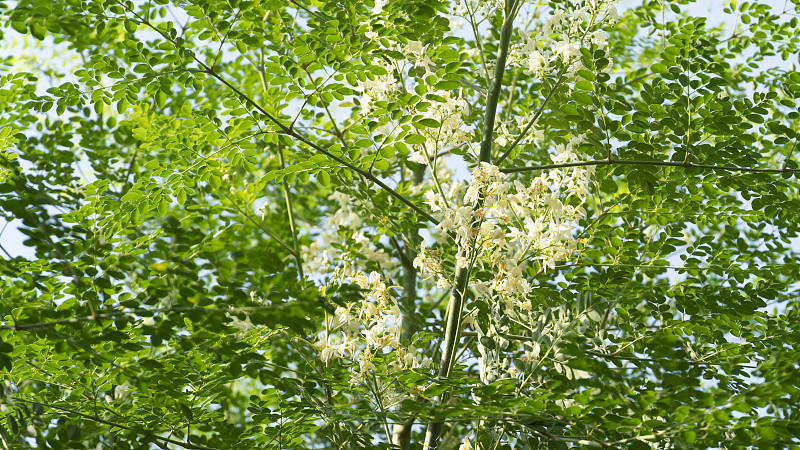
455, 307
401, 432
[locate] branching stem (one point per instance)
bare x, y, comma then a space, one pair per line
622, 162
455, 306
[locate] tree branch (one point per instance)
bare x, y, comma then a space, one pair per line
533, 121
290, 132
117, 425
622, 162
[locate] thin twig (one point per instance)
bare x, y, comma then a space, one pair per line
289, 210
533, 121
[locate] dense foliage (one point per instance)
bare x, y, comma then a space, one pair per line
460, 224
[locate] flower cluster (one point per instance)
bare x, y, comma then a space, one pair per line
511, 230
507, 227
415, 51
342, 227
467, 8
504, 231
451, 133
379, 88
368, 329
443, 106
563, 35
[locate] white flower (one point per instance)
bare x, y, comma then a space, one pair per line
416, 52
414, 47
599, 37
342, 316
536, 62
567, 50
461, 261
419, 261
362, 281
326, 352
463, 214
473, 194
374, 278
483, 290
554, 203
553, 24
486, 229
433, 199
378, 8
612, 14
373, 335
418, 158
472, 53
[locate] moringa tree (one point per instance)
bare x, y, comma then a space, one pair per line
401, 224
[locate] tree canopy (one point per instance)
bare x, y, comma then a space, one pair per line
472, 224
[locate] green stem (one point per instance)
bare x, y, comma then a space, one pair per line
455, 306
401, 432
287, 197
376, 392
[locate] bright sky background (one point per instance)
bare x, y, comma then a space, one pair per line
30, 51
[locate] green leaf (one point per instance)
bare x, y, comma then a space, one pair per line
659, 68
161, 98
19, 26
430, 123
446, 85
130, 26
180, 196
131, 196
583, 85
382, 164
586, 74
413, 139
582, 98
38, 31
324, 177
569, 109
387, 151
